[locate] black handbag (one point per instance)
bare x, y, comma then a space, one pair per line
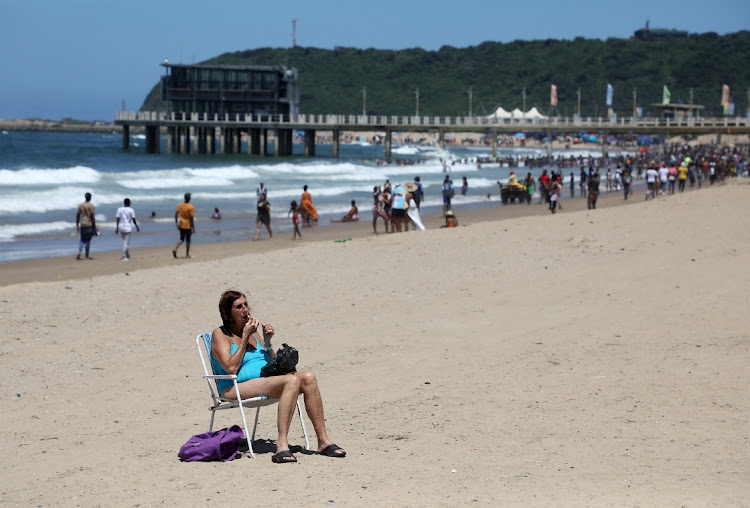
284, 362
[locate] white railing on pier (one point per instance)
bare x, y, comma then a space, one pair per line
450, 122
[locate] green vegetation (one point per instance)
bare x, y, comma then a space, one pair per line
331, 81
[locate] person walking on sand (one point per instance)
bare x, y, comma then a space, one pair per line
294, 212
307, 209
554, 194
264, 217
447, 193
378, 210
419, 193
125, 222
184, 217
86, 225
593, 184
572, 185
652, 176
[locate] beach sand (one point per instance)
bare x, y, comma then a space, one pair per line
589, 358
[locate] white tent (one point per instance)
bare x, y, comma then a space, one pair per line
534, 113
517, 113
499, 113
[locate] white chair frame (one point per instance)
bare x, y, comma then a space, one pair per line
221, 403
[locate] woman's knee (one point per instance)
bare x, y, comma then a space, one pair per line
306, 378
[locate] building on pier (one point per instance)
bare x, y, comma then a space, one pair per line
220, 92
233, 89
678, 111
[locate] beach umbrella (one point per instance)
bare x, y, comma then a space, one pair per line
644, 140
520, 135
592, 137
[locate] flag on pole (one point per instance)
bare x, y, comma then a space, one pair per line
639, 112
665, 96
724, 95
553, 95
610, 93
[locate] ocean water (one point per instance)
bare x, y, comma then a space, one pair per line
44, 176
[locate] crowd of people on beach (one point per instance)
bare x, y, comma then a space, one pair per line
673, 168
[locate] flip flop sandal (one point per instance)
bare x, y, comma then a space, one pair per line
332, 450
283, 457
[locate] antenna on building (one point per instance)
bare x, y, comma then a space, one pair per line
294, 33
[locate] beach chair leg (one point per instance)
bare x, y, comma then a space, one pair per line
255, 425
247, 434
211, 426
304, 429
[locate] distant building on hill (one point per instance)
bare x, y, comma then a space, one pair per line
658, 34
234, 89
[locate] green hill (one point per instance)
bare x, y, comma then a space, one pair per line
331, 81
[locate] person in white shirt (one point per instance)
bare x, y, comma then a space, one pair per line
651, 177
125, 222
663, 176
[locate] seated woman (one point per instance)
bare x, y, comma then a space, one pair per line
450, 220
237, 350
351, 216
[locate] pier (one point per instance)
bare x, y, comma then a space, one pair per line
204, 133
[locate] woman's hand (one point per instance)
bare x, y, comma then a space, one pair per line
250, 328
268, 332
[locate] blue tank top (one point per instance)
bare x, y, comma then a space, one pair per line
252, 362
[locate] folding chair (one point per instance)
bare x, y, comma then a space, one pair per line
203, 341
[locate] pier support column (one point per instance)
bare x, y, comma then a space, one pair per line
441, 139
126, 137
212, 140
549, 144
662, 142
309, 143
254, 141
222, 140
152, 139
237, 141
263, 142
170, 139
605, 145
285, 137
181, 140
718, 139
494, 144
388, 144
336, 133
197, 137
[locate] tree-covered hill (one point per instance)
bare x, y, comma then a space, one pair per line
331, 81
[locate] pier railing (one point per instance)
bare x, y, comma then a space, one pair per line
452, 123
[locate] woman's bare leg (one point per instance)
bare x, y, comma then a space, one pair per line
314, 406
285, 388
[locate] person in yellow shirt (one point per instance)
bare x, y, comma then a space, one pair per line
184, 217
682, 172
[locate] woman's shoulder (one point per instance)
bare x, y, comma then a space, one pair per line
220, 332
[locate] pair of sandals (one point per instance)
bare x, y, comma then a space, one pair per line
331, 450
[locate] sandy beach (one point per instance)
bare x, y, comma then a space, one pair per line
587, 358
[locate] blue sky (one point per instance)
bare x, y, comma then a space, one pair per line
83, 58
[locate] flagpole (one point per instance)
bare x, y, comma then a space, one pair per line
635, 102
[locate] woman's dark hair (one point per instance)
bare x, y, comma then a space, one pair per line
225, 307
304, 187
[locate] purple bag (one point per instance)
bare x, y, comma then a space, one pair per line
217, 445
